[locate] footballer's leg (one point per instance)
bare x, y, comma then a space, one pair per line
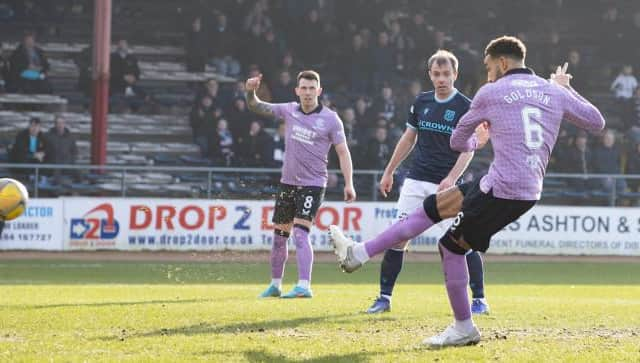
412, 194
307, 201
436, 207
463, 331
482, 215
479, 304
283, 221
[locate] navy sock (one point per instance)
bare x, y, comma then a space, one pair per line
389, 270
476, 274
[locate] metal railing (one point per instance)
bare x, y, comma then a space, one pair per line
38, 170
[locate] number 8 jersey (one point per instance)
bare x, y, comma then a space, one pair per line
524, 112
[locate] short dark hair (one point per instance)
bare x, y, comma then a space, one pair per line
442, 57
310, 75
506, 46
34, 121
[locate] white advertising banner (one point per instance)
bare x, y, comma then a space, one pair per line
39, 228
556, 230
181, 224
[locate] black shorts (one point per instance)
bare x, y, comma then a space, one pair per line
484, 215
297, 202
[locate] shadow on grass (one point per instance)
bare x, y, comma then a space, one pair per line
264, 356
238, 328
102, 304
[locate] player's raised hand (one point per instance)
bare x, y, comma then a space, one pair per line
482, 134
349, 193
253, 84
386, 182
560, 76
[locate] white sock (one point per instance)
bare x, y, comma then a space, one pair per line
465, 326
276, 282
388, 297
360, 253
304, 283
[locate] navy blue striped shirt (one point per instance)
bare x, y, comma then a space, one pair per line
434, 121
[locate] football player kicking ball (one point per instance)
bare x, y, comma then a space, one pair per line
436, 167
524, 113
311, 129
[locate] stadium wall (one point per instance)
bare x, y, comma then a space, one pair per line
191, 225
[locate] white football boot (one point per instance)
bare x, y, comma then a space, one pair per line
452, 337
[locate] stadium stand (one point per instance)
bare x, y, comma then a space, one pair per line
382, 46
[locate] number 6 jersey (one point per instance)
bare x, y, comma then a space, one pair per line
524, 112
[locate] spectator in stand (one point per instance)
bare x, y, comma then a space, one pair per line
239, 118
383, 60
468, 76
634, 129
258, 15
290, 63
60, 148
200, 118
578, 71
256, 149
29, 145
358, 65
196, 47
633, 167
84, 63
210, 89
364, 114
237, 91
278, 145
123, 63
129, 98
4, 71
385, 105
577, 160
28, 68
283, 90
408, 97
269, 51
221, 145
607, 160
351, 132
624, 87
625, 84
553, 54
378, 150
224, 49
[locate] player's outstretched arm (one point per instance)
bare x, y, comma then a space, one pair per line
254, 104
403, 149
344, 157
578, 110
456, 172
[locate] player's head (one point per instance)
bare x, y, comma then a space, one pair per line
443, 72
308, 88
503, 54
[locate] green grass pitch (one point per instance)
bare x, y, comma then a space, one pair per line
185, 312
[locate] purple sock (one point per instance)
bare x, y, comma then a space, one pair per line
304, 253
279, 254
456, 277
403, 230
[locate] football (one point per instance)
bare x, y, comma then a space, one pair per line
13, 198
